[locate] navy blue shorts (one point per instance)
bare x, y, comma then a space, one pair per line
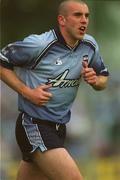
32, 134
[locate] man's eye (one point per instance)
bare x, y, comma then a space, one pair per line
86, 15
78, 14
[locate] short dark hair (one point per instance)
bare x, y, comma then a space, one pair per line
62, 7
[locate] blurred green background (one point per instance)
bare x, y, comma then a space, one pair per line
94, 130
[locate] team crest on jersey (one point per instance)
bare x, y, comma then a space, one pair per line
62, 81
85, 58
58, 62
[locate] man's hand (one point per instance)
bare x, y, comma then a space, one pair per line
39, 96
89, 75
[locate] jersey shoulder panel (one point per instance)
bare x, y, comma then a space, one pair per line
41, 40
90, 40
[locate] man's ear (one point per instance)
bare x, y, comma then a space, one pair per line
61, 20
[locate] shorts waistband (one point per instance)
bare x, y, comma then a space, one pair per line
40, 121
48, 123
44, 122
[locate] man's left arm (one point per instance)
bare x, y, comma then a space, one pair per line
98, 82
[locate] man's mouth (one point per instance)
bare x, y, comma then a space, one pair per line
82, 29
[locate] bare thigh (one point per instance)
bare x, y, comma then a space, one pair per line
29, 171
57, 164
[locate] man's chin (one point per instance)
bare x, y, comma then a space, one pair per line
80, 37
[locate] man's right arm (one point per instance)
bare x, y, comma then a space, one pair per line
38, 96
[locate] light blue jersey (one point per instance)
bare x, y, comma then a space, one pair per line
47, 59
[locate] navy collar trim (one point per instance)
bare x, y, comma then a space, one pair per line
59, 36
62, 40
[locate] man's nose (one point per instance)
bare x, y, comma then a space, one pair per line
84, 19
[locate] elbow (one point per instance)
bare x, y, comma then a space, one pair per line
99, 88
101, 83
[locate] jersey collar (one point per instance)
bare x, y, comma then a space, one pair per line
62, 40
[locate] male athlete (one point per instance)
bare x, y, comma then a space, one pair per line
51, 66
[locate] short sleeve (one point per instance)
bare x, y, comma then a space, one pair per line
20, 53
97, 63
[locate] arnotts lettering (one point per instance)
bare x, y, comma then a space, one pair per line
62, 81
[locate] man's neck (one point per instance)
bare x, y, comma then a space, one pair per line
69, 41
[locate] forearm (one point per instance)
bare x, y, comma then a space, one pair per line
11, 79
38, 96
101, 83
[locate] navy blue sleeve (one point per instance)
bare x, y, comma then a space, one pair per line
98, 65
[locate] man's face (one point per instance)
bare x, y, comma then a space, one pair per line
76, 21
